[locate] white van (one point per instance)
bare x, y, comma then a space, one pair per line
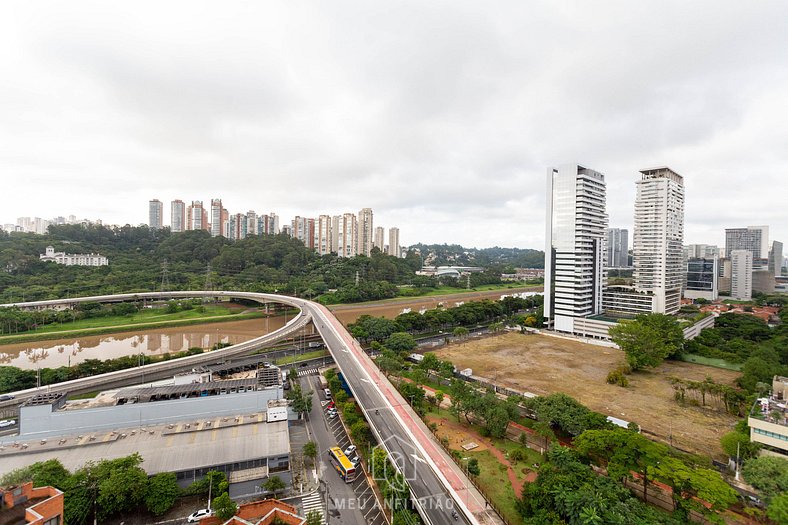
328, 393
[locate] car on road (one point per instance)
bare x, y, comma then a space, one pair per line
7, 423
350, 450
196, 516
6, 397
303, 365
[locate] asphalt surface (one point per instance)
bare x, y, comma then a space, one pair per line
349, 503
427, 488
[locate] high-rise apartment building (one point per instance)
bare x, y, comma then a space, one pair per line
752, 238
658, 239
576, 226
303, 229
219, 217
197, 217
741, 275
394, 247
177, 216
343, 233
776, 258
155, 214
323, 244
365, 232
236, 227
251, 223
380, 238
617, 248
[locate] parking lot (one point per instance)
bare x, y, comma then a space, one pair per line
348, 502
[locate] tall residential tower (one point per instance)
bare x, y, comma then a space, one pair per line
658, 240
576, 228
155, 214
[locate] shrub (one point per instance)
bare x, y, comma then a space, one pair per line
617, 377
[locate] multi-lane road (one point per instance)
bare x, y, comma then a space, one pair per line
442, 493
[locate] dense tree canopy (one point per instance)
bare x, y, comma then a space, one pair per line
648, 339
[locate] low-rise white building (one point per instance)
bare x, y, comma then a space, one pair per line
73, 259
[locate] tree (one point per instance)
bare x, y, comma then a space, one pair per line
224, 507
736, 442
460, 332
301, 401
778, 508
43, 473
274, 484
389, 362
310, 450
401, 343
473, 467
648, 339
122, 485
768, 474
314, 518
161, 493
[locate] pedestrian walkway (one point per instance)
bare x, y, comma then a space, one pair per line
307, 372
313, 502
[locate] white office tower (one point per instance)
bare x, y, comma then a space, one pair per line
658, 239
617, 248
177, 216
365, 232
741, 275
155, 214
380, 238
574, 255
394, 248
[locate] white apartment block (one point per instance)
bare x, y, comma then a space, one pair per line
323, 233
659, 238
155, 214
177, 216
251, 223
576, 226
380, 238
217, 218
394, 247
365, 232
343, 233
73, 259
741, 275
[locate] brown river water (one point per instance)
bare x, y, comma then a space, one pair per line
73, 350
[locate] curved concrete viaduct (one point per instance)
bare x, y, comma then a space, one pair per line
437, 485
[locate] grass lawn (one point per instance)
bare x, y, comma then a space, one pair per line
154, 317
449, 290
495, 481
711, 361
300, 357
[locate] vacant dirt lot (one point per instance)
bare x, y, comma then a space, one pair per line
543, 365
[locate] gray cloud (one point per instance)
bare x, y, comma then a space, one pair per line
441, 116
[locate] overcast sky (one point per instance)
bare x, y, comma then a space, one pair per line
441, 116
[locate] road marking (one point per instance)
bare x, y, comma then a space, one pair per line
417, 458
365, 380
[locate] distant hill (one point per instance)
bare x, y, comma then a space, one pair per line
454, 254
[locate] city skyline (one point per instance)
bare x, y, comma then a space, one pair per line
267, 107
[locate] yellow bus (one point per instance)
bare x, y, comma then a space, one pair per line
343, 465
